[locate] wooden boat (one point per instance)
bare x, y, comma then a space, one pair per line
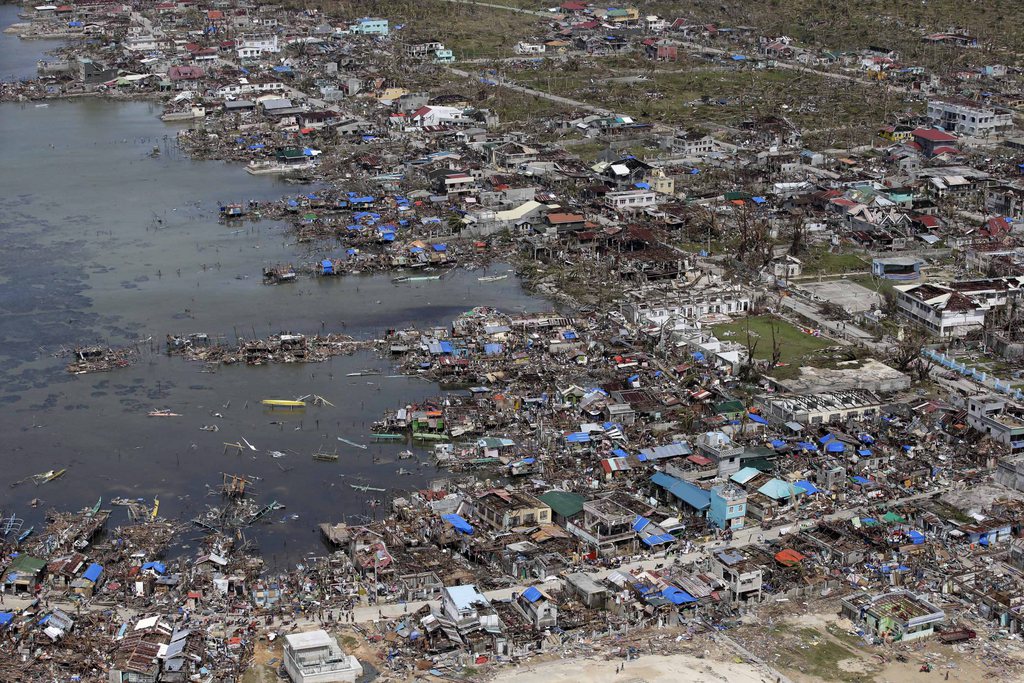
166, 412
414, 278
364, 489
25, 534
491, 278
48, 476
387, 437
156, 508
280, 403
352, 443
321, 456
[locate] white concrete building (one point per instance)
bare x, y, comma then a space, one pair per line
631, 200
956, 308
315, 657
968, 117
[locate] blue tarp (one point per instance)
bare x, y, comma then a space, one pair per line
807, 486
619, 453
864, 452
643, 186
640, 523
778, 443
658, 539
6, 618
578, 437
826, 438
493, 349
532, 594
93, 572
260, 145
861, 480
835, 447
807, 446
327, 267
459, 524
158, 567
916, 537
757, 418
867, 438
446, 347
440, 247
677, 596
697, 355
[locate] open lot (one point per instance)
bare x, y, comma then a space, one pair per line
850, 295
795, 343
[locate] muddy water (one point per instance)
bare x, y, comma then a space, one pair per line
101, 242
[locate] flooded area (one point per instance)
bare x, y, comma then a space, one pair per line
18, 57
105, 243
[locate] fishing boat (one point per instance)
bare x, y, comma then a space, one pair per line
12, 523
387, 437
364, 489
48, 476
94, 510
156, 508
231, 211
414, 278
402, 470
25, 534
492, 278
280, 403
323, 456
363, 373
166, 412
352, 443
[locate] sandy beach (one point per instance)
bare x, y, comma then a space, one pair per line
646, 669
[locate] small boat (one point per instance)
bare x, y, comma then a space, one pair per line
321, 456
94, 510
364, 489
414, 278
492, 278
156, 508
166, 412
48, 476
280, 403
210, 428
25, 534
352, 443
427, 436
363, 373
402, 470
40, 106
387, 437
406, 455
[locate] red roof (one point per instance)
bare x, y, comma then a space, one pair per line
573, 6
422, 111
214, 14
928, 221
933, 135
945, 149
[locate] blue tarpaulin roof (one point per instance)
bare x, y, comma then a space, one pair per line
446, 347
619, 453
697, 355
578, 437
916, 537
6, 618
459, 523
864, 452
826, 438
807, 446
867, 438
158, 567
835, 447
532, 594
677, 596
807, 486
658, 539
640, 523
778, 443
757, 418
861, 480
93, 572
440, 247
778, 489
691, 494
493, 349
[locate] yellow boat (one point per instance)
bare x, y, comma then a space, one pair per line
156, 507
279, 403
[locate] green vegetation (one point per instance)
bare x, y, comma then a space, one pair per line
826, 262
794, 344
816, 654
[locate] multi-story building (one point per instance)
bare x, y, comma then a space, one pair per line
504, 510
728, 506
631, 200
370, 26
968, 117
999, 419
315, 657
823, 408
956, 308
741, 576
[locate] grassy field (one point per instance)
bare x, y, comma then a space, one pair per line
826, 263
794, 343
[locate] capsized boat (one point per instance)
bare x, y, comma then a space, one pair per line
50, 475
281, 403
364, 489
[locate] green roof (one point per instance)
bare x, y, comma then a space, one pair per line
563, 503
729, 407
26, 564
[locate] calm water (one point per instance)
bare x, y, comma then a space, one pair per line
101, 242
18, 57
